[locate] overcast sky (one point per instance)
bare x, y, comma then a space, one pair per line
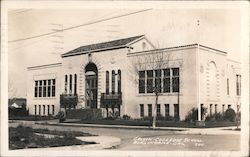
219, 28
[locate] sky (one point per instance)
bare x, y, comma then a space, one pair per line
219, 28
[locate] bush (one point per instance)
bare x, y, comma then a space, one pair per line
169, 118
215, 117
192, 115
126, 117
230, 115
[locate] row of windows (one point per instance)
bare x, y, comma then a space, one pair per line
41, 109
45, 88
238, 85
113, 80
69, 81
158, 110
215, 106
160, 80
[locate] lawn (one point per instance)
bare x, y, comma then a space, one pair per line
25, 137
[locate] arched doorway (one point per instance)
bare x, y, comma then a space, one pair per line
91, 84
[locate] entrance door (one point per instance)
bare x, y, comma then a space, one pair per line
91, 84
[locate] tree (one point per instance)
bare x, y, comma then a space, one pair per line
151, 64
12, 92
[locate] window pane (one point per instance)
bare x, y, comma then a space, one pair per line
175, 83
166, 72
166, 110
107, 82
166, 85
150, 110
175, 71
141, 110
141, 74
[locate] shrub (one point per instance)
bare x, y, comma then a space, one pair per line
169, 118
230, 115
126, 117
160, 117
215, 117
192, 115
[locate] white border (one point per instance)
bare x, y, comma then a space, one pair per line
244, 6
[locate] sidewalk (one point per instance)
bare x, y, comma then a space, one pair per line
203, 131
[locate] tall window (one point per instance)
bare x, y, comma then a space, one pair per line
223, 109
119, 81
229, 106
36, 88
49, 88
142, 110
158, 110
75, 84
158, 80
166, 81
70, 84
215, 108
66, 83
39, 110
175, 80
53, 87
53, 109
227, 86
113, 81
150, 110
107, 81
43, 109
141, 81
35, 109
150, 81
211, 108
40, 88
48, 109
166, 110
238, 84
176, 111
44, 88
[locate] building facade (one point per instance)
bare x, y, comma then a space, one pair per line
119, 77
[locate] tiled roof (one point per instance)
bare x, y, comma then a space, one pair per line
103, 46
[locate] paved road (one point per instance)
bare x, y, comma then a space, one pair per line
132, 139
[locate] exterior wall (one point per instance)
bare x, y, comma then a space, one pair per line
185, 60
43, 73
215, 69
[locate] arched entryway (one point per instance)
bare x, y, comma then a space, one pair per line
91, 84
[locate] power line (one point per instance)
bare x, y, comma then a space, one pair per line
73, 27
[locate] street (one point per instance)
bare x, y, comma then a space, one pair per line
137, 139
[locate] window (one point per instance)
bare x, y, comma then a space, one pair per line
166, 110
227, 86
53, 87
176, 111
141, 81
149, 81
175, 80
229, 106
150, 110
158, 110
40, 88
202, 111
223, 109
107, 81
36, 88
211, 106
66, 83
119, 81
39, 110
44, 88
43, 109
215, 108
48, 109
75, 84
35, 109
49, 88
113, 81
70, 84
158, 80
166, 81
238, 84
142, 110
53, 109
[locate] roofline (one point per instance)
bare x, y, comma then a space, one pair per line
44, 66
96, 50
178, 47
67, 54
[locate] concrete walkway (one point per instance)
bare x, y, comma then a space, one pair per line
202, 131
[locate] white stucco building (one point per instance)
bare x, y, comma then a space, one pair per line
105, 75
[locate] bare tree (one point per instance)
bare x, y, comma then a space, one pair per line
12, 91
151, 64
